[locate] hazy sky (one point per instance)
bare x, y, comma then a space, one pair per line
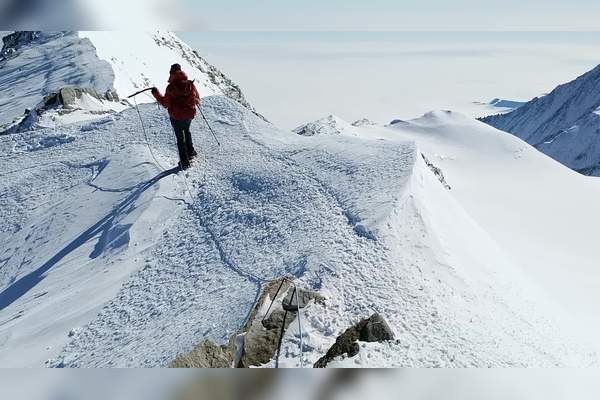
296, 77
396, 14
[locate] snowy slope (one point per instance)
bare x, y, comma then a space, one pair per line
108, 261
142, 59
562, 124
31, 70
37, 64
542, 215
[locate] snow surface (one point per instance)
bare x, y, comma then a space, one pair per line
85, 108
38, 72
542, 215
102, 60
108, 261
563, 124
135, 60
110, 257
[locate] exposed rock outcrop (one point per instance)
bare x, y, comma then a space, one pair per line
329, 125
372, 329
363, 122
256, 342
260, 341
226, 85
65, 100
14, 41
437, 172
205, 355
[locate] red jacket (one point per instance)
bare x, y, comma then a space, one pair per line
181, 97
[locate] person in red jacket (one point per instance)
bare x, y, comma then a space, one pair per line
181, 99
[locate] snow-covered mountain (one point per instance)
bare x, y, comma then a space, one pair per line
329, 125
107, 66
109, 260
563, 124
460, 235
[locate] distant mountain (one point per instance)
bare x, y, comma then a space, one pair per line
329, 125
503, 103
564, 124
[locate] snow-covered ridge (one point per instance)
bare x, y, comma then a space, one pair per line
143, 59
109, 261
36, 65
562, 124
111, 257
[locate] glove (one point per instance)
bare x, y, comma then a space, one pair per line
154, 90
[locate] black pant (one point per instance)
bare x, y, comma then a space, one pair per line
184, 140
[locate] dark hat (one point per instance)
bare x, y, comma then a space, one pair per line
175, 67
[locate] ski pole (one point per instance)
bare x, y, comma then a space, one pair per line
207, 124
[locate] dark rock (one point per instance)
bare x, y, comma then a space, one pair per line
275, 320
257, 340
260, 345
205, 355
16, 40
372, 329
375, 329
304, 296
436, 171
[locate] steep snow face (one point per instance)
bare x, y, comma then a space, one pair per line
107, 260
37, 64
329, 125
562, 124
542, 215
143, 59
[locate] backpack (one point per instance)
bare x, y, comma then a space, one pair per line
182, 96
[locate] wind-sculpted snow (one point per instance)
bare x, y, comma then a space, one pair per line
109, 261
263, 209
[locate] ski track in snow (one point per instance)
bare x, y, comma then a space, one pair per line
159, 269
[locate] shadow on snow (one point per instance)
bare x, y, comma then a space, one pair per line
111, 234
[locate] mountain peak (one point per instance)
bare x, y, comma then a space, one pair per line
37, 65
329, 125
562, 124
